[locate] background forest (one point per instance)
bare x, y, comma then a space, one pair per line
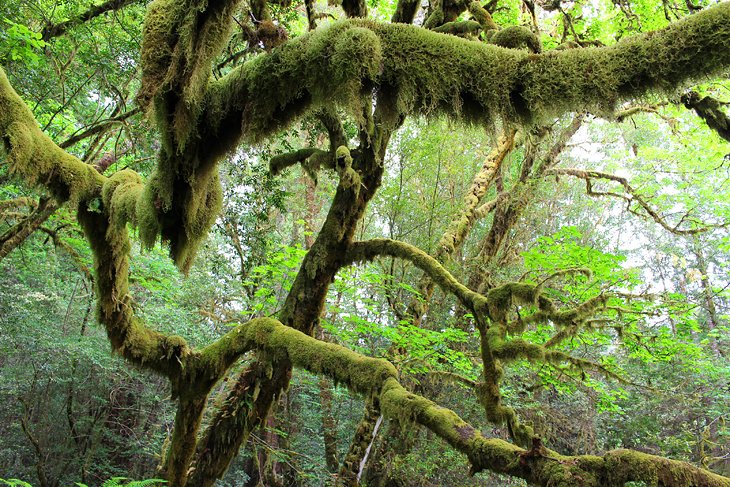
629, 209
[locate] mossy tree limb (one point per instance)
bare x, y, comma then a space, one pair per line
36, 158
477, 81
378, 377
384, 247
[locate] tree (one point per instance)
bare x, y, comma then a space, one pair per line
377, 74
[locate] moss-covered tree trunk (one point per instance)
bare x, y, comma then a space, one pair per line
410, 70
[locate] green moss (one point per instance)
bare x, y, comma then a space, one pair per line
625, 465
332, 64
482, 16
661, 61
361, 374
501, 299
432, 73
516, 37
119, 196
463, 28
180, 42
36, 159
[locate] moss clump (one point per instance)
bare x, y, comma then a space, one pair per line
501, 299
481, 15
349, 178
464, 28
332, 64
119, 196
517, 37
180, 42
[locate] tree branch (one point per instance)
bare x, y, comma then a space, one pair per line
709, 110
55, 30
633, 197
468, 79
378, 377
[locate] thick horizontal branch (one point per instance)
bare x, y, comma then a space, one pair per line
433, 72
310, 158
361, 374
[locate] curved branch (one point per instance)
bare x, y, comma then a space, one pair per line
633, 197
379, 247
34, 156
540, 466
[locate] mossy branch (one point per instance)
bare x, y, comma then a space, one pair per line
437, 73
16, 235
378, 377
332, 123
36, 158
361, 374
278, 163
383, 247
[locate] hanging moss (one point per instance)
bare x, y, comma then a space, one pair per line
180, 42
710, 110
119, 195
433, 73
332, 64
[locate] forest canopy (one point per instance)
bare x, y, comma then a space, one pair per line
376, 243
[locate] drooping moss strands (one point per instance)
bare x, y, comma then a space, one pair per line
128, 334
516, 37
469, 80
180, 42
